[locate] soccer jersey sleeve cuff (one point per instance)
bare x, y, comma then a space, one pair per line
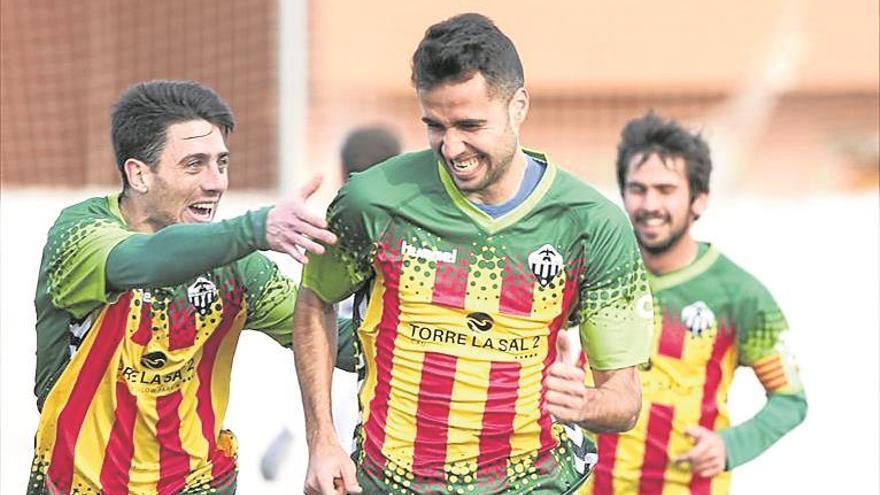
748, 440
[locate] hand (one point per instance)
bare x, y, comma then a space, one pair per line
292, 229
331, 471
566, 393
707, 457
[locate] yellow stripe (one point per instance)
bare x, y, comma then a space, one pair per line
466, 418
222, 369
546, 305
145, 462
629, 455
400, 426
95, 431
367, 337
191, 437
60, 393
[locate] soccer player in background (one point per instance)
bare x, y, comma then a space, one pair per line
141, 300
366, 146
711, 316
475, 255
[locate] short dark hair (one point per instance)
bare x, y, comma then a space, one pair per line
367, 146
649, 135
141, 116
456, 49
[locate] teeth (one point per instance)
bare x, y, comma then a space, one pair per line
465, 164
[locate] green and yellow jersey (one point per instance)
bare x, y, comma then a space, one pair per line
711, 317
462, 319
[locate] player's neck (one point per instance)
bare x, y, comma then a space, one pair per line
682, 254
507, 186
134, 213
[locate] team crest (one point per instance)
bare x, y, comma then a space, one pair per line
698, 318
201, 294
545, 263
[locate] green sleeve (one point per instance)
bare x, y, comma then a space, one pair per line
346, 266
616, 310
75, 262
762, 332
177, 253
748, 440
271, 298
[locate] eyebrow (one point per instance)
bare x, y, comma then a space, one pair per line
428, 120
203, 156
211, 131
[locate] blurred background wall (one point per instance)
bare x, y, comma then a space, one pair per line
805, 72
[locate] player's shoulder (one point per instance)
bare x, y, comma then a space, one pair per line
101, 209
393, 181
734, 276
583, 199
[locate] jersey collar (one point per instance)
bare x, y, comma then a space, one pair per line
682, 275
113, 203
484, 220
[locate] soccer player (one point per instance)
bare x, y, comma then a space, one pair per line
141, 300
711, 316
476, 254
366, 146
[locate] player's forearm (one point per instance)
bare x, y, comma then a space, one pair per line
613, 406
748, 440
314, 345
178, 253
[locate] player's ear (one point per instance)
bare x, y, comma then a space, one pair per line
699, 204
138, 174
519, 105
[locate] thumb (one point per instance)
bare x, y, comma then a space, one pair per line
311, 186
695, 432
563, 348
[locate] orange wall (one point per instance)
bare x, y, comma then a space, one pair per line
608, 46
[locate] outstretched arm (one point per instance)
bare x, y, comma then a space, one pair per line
177, 253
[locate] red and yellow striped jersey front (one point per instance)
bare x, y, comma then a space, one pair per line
139, 407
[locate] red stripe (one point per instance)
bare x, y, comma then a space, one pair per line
94, 369
709, 411
656, 445
548, 442
182, 329
671, 341
498, 415
120, 447
144, 332
173, 460
450, 283
205, 372
517, 287
389, 260
604, 470
432, 414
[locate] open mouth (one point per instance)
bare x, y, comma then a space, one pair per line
203, 211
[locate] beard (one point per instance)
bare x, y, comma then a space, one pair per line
499, 163
663, 245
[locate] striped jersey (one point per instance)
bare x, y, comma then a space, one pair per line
711, 317
133, 386
462, 320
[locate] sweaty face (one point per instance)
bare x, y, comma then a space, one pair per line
476, 135
191, 176
656, 197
